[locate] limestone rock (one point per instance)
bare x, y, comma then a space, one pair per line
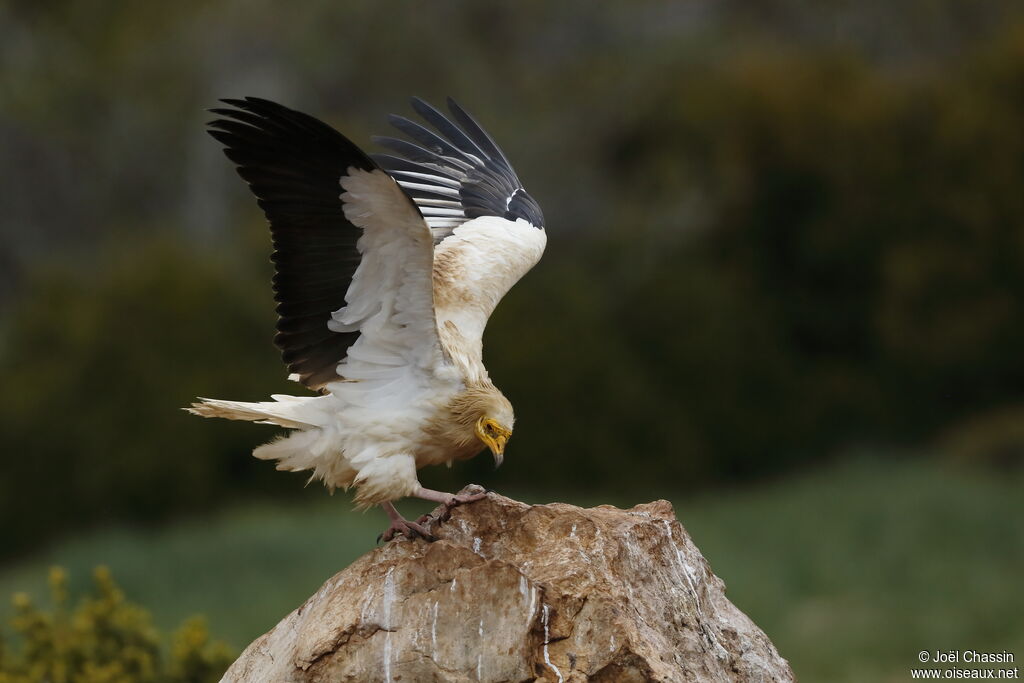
514, 592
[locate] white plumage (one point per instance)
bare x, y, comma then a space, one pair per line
387, 272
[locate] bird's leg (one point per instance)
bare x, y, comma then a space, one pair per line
400, 525
448, 500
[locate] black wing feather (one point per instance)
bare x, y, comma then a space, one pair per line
447, 128
461, 151
484, 141
293, 164
430, 140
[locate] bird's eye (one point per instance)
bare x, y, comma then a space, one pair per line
491, 429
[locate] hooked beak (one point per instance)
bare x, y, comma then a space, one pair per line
495, 440
497, 447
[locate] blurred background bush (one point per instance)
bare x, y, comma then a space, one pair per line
779, 233
102, 638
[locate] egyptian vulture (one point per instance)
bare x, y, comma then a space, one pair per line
387, 269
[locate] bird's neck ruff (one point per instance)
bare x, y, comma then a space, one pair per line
458, 422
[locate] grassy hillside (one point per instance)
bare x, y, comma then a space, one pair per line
850, 570
854, 570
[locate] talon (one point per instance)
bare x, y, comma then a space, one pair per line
448, 501
455, 501
400, 525
465, 498
410, 530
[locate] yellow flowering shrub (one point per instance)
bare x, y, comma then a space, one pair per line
103, 639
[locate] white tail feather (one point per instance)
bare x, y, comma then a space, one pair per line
315, 445
270, 412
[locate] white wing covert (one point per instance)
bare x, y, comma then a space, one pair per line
390, 301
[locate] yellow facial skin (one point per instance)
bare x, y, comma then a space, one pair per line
494, 436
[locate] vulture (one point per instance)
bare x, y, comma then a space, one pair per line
387, 268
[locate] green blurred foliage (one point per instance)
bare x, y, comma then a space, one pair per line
992, 441
833, 255
97, 365
104, 639
853, 568
775, 229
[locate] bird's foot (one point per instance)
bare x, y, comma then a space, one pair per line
406, 528
456, 501
400, 525
449, 501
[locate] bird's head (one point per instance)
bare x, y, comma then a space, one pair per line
488, 413
495, 434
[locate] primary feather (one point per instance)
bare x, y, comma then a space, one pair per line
387, 270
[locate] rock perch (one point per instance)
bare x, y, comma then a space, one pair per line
516, 592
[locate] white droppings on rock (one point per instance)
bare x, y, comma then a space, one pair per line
480, 651
688, 571
529, 595
692, 578
389, 596
433, 633
572, 532
389, 599
368, 597
547, 639
476, 545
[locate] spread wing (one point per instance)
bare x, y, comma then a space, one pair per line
457, 173
352, 253
488, 230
